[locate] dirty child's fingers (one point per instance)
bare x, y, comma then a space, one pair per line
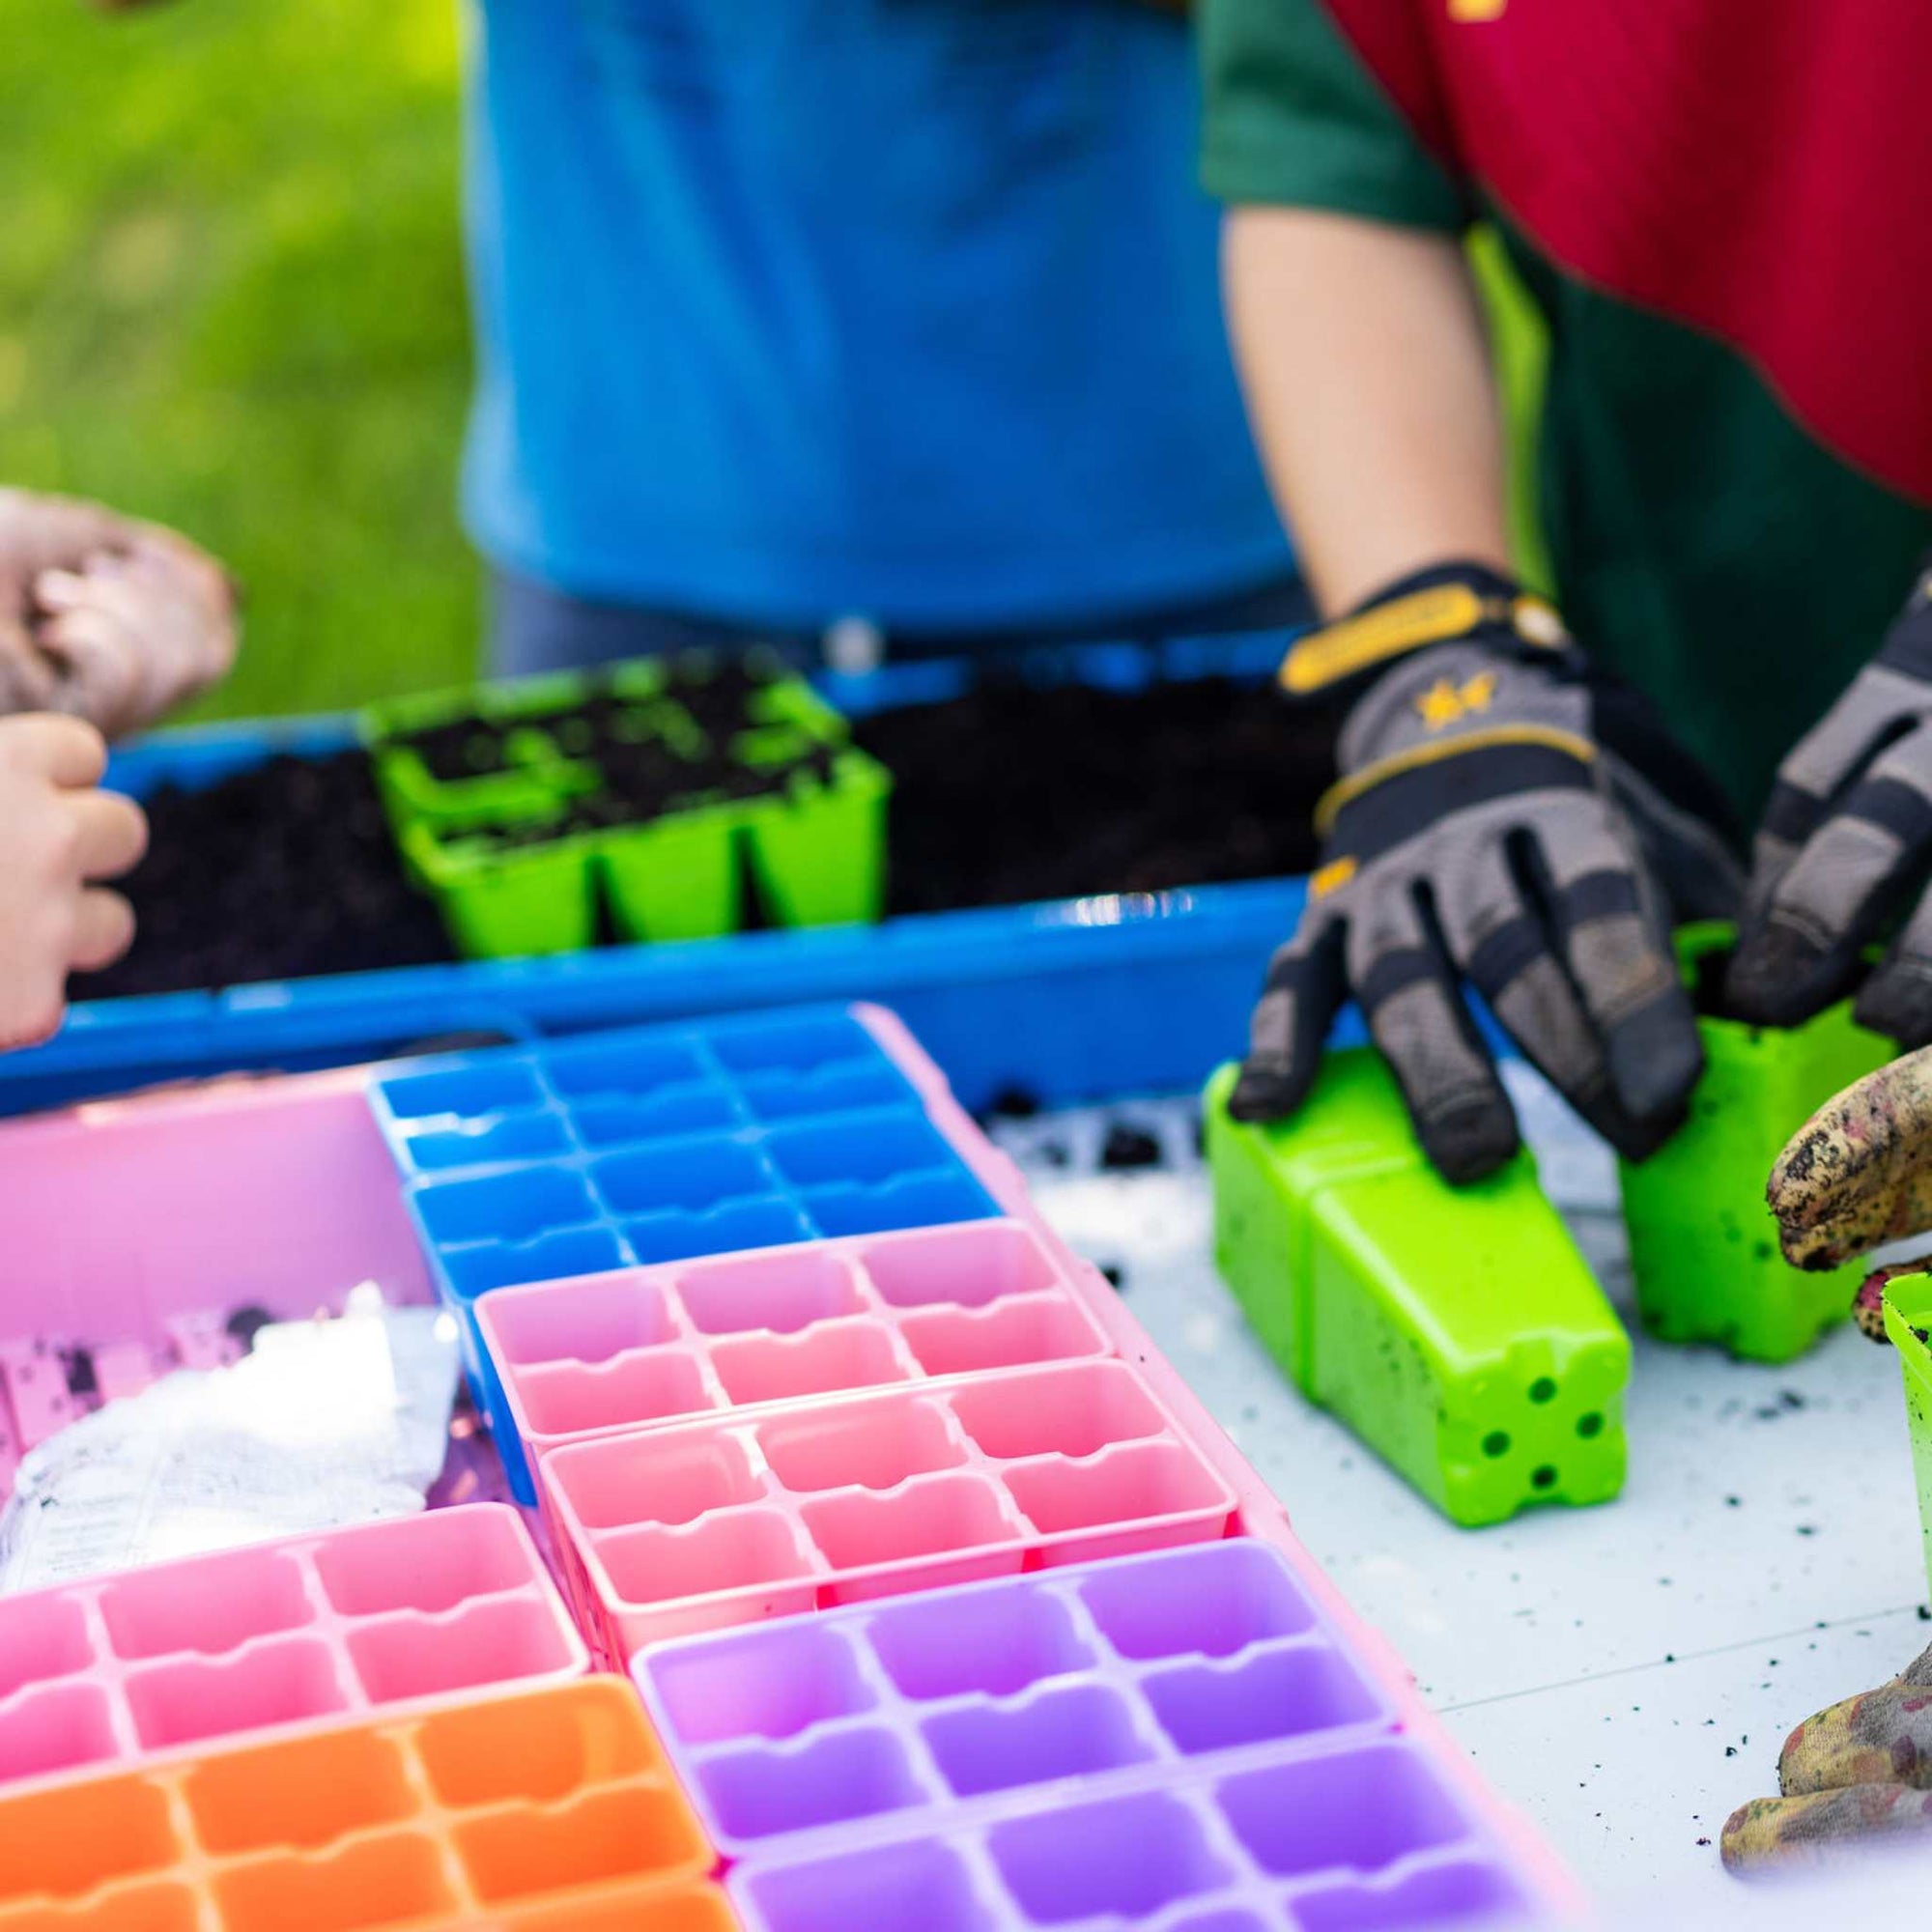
1859, 1173
1769, 1832
1883, 1737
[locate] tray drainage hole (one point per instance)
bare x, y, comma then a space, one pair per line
1589, 1426
1543, 1478
1543, 1389
1496, 1443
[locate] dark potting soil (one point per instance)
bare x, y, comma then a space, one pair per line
467, 748
276, 873
1129, 1146
603, 727
1011, 794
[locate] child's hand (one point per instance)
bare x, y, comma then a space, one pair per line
59, 836
105, 617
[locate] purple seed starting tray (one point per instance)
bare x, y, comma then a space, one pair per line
923, 1712
580, 1359
665, 1143
695, 1527
308, 1633
1371, 1835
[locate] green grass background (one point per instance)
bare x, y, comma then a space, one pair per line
231, 297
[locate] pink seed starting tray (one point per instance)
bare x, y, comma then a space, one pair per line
310, 1632
695, 1526
916, 1714
611, 1352
149, 1235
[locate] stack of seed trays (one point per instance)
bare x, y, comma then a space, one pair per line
648, 793
533, 1812
666, 1143
825, 1405
1183, 1738
306, 1633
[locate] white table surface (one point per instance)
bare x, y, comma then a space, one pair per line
1624, 1674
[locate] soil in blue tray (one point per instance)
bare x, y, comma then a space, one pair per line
1013, 793
278, 872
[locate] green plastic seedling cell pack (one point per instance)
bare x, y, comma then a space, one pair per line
1703, 1243
650, 796
1908, 1320
1457, 1331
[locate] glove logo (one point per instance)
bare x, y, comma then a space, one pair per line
1332, 877
1445, 703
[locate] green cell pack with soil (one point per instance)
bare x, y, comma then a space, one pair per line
646, 800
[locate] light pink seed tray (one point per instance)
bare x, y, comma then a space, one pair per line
611, 1352
295, 1635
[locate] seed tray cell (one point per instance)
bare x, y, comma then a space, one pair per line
1363, 1833
546, 1810
921, 1712
311, 1632
610, 1353
698, 1525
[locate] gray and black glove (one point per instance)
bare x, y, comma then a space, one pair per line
1844, 848
1506, 817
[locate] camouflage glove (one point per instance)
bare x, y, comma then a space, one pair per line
1859, 1771
1843, 848
1508, 819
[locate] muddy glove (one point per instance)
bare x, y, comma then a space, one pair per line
1843, 849
1507, 818
111, 620
1859, 1173
1860, 1770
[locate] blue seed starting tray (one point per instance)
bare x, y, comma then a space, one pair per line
658, 1145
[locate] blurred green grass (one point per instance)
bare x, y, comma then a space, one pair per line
231, 299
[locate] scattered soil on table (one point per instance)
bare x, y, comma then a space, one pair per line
1129, 1146
276, 873
1011, 793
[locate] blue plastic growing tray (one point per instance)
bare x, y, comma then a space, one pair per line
1052, 997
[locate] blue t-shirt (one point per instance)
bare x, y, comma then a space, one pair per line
790, 309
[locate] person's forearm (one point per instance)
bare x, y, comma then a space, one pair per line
1367, 372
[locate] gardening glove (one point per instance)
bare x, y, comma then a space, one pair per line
1860, 1770
1859, 1173
112, 620
1491, 825
59, 838
1843, 848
